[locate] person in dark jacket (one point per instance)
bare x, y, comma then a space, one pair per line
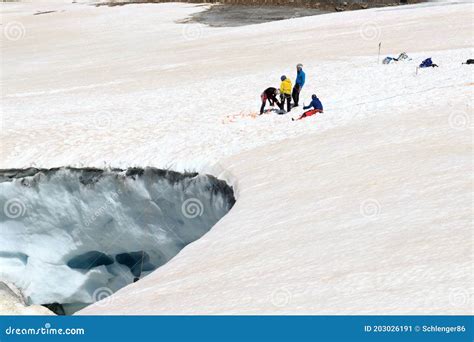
299, 83
269, 94
315, 104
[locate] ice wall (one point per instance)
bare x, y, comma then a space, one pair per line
74, 236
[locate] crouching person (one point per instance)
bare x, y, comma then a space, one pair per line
315, 104
269, 94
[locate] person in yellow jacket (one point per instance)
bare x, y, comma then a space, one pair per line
285, 92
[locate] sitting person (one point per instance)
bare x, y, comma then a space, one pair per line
315, 104
270, 95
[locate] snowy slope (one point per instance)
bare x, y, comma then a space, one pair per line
110, 84
364, 209
380, 225
13, 303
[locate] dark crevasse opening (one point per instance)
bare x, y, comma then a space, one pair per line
90, 260
72, 236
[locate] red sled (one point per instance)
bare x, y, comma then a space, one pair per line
309, 113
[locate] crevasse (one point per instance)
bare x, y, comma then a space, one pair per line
74, 236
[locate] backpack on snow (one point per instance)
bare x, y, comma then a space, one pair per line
388, 60
403, 57
427, 63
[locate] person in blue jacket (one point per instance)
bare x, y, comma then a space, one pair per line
315, 104
299, 83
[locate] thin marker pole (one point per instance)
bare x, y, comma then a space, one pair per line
378, 57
